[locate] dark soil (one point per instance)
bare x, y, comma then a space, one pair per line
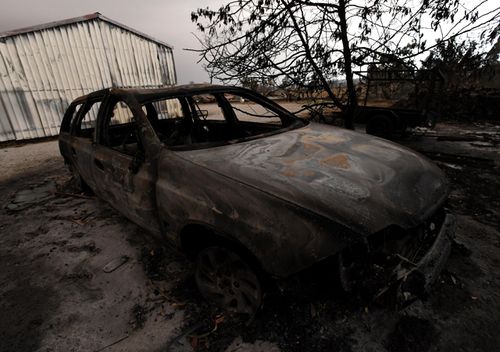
49, 287
316, 316
411, 334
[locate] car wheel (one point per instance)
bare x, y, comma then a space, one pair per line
225, 279
380, 126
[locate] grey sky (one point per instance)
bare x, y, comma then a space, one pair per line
169, 21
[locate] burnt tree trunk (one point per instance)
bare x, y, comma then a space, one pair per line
351, 89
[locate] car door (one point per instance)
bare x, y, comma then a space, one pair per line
82, 143
125, 174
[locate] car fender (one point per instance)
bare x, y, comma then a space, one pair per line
284, 237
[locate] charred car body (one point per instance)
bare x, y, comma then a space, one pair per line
244, 187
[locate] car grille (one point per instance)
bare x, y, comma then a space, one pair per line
411, 244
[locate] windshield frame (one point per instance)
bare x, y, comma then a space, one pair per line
289, 120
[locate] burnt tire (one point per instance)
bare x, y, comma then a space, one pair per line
380, 126
224, 278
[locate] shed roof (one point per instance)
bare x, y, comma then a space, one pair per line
69, 21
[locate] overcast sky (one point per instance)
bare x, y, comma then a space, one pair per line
169, 21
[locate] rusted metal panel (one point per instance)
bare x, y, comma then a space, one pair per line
272, 201
318, 166
291, 197
44, 68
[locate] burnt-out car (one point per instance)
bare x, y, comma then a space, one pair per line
247, 189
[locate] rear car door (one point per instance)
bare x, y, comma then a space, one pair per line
82, 130
125, 174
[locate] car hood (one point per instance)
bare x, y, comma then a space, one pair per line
357, 180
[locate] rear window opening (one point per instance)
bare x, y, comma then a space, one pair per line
119, 130
84, 123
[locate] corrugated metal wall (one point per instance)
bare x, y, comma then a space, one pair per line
43, 71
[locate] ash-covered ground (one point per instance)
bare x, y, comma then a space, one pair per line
77, 276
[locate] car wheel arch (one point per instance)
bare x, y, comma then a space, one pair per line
195, 237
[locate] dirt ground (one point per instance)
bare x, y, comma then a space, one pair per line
77, 276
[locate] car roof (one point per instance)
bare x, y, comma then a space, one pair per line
145, 94
99, 94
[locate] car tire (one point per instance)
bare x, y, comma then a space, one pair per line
380, 126
224, 278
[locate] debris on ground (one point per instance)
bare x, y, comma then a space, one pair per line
56, 296
139, 314
412, 334
34, 195
115, 264
198, 334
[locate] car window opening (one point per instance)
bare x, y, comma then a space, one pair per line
120, 130
85, 119
211, 119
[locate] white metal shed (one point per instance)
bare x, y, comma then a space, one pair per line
43, 68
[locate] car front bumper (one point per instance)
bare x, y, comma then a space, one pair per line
414, 280
434, 261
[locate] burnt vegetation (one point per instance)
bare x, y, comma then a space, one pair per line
308, 45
